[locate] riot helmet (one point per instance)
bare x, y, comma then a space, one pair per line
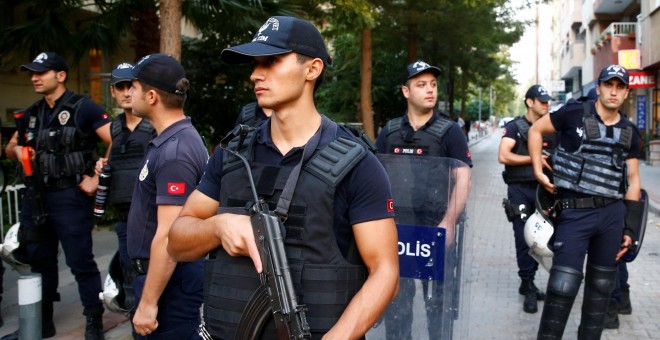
12, 253
113, 294
539, 229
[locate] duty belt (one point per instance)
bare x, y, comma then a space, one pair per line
141, 266
585, 203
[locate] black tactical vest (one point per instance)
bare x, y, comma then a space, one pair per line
426, 141
324, 279
64, 152
126, 155
598, 166
525, 173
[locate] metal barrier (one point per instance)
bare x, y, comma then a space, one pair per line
12, 196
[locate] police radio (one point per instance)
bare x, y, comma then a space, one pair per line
102, 191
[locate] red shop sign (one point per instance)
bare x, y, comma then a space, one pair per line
642, 79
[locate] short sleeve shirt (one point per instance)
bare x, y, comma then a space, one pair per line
172, 166
453, 143
362, 196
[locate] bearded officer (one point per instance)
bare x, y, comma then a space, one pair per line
606, 146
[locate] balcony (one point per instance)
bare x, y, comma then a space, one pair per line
615, 33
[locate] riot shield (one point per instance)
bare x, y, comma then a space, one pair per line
430, 194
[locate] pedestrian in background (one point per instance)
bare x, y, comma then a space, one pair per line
63, 129
596, 201
521, 186
168, 293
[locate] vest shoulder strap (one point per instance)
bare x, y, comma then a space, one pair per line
523, 127
440, 127
336, 160
625, 138
248, 113
359, 134
115, 127
394, 125
229, 161
591, 129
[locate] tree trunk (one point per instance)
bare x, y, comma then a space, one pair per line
170, 27
365, 84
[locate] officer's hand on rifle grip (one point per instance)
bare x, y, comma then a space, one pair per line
235, 232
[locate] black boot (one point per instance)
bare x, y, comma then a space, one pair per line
612, 316
527, 285
530, 304
625, 307
563, 286
598, 287
94, 325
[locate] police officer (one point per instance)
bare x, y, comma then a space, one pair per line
605, 146
340, 234
423, 131
521, 191
168, 293
63, 129
130, 136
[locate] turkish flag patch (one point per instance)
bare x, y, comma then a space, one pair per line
390, 205
176, 188
105, 116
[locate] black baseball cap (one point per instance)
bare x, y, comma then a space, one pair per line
614, 71
420, 67
121, 73
538, 92
280, 35
46, 61
161, 71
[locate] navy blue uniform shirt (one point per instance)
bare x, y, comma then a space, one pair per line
172, 166
453, 143
362, 196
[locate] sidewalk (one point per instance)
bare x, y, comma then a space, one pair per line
68, 317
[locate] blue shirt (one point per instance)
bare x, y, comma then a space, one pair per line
362, 196
172, 166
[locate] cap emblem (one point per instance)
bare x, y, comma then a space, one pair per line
276, 26
40, 58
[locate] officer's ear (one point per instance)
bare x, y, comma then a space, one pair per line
405, 90
60, 76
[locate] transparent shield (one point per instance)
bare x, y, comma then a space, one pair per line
429, 195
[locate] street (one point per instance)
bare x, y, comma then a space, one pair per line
491, 308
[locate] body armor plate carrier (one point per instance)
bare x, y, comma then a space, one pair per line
598, 166
525, 173
325, 279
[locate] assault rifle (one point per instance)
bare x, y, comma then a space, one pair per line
31, 186
276, 295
